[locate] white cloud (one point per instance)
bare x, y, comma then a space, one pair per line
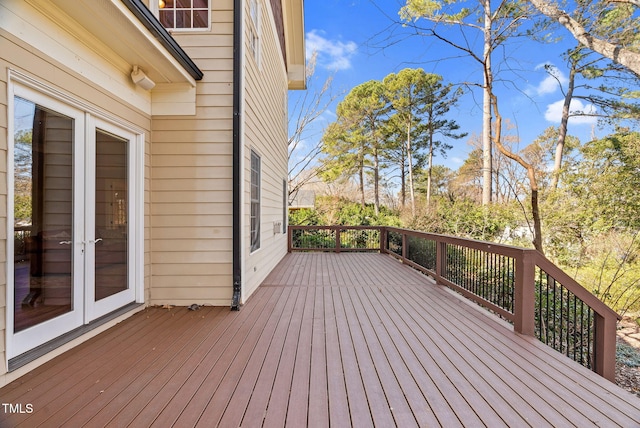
552, 81
329, 115
332, 54
554, 112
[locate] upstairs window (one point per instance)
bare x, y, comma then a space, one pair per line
184, 14
254, 30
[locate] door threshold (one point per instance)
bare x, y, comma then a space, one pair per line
39, 351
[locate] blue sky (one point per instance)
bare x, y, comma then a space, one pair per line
360, 40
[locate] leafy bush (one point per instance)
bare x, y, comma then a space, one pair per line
304, 217
464, 218
336, 211
22, 207
610, 269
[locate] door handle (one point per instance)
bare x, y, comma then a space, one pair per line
66, 242
95, 241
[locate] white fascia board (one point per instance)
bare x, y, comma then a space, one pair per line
293, 17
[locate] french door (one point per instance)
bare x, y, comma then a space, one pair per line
73, 249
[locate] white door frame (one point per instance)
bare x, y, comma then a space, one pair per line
95, 309
22, 341
86, 120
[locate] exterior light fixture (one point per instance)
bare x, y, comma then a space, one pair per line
139, 78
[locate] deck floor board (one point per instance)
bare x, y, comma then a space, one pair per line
327, 340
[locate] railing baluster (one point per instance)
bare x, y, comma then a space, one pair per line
576, 333
590, 336
581, 348
547, 293
555, 299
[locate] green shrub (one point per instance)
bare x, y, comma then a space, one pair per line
627, 355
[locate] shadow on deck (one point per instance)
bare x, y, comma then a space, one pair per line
327, 340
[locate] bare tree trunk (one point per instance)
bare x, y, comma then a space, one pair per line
562, 131
487, 173
535, 211
403, 180
361, 176
376, 184
429, 170
403, 186
531, 174
409, 157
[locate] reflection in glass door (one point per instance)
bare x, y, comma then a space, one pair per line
43, 214
109, 242
111, 215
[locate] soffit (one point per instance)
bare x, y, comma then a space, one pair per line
293, 16
117, 34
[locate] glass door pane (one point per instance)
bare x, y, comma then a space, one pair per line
111, 215
43, 214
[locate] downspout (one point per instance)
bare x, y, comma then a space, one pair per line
237, 151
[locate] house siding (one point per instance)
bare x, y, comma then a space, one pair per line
28, 60
188, 170
265, 118
192, 168
191, 209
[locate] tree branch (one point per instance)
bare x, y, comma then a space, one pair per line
617, 54
633, 2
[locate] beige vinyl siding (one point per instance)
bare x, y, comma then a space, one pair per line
192, 178
266, 133
28, 60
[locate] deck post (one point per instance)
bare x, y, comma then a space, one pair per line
383, 240
441, 260
338, 245
605, 347
404, 246
524, 294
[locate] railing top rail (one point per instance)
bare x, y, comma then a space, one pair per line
335, 227
540, 260
492, 247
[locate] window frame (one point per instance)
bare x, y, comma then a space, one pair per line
155, 8
254, 29
285, 205
255, 190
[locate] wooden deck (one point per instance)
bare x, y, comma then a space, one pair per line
328, 340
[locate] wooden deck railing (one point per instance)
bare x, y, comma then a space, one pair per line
519, 284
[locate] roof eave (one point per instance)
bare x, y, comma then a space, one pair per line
293, 16
162, 35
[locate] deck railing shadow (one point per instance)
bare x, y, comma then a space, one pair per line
520, 285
